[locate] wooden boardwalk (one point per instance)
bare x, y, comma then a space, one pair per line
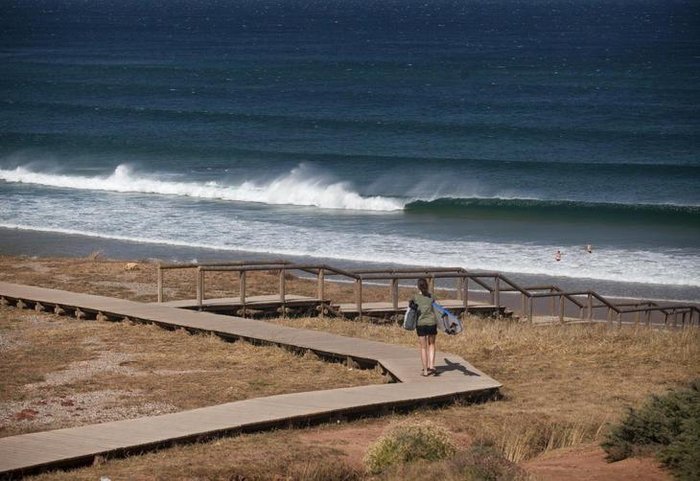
269, 303
349, 309
75, 446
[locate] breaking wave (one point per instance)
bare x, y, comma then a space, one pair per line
298, 187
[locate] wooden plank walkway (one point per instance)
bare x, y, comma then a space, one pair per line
387, 308
73, 446
254, 305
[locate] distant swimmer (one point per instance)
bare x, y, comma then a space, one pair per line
589, 248
557, 256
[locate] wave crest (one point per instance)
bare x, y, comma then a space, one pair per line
559, 210
298, 187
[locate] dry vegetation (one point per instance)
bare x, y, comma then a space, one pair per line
60, 372
562, 384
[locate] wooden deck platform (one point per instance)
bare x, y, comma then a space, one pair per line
252, 304
273, 304
35, 452
385, 309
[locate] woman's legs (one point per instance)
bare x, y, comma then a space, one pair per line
423, 341
431, 352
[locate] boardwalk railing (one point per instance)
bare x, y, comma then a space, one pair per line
494, 284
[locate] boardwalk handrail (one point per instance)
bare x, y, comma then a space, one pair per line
494, 283
197, 265
320, 270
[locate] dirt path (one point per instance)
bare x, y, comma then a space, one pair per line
588, 464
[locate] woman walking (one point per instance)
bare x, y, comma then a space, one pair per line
426, 327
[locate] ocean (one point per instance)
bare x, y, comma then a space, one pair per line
482, 134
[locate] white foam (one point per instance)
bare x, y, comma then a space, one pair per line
618, 265
298, 187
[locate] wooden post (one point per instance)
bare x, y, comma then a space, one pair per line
648, 315
460, 288
431, 283
523, 300
553, 302
531, 301
497, 292
590, 307
394, 288
561, 309
283, 287
242, 287
466, 297
358, 297
283, 293
160, 283
619, 319
321, 288
200, 287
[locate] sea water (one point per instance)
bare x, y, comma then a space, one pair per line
482, 134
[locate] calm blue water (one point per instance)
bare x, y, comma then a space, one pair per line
484, 134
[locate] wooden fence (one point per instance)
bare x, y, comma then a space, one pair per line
494, 284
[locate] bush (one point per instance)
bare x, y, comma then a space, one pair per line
668, 426
480, 463
484, 463
409, 442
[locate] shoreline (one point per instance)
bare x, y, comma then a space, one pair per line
18, 242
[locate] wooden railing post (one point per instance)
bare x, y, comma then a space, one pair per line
529, 314
466, 296
321, 288
460, 288
553, 302
160, 283
283, 287
200, 287
283, 293
497, 295
394, 288
242, 286
590, 307
561, 309
358, 297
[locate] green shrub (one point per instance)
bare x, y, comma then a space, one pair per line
682, 455
409, 442
668, 426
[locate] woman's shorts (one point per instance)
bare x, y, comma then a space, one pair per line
426, 330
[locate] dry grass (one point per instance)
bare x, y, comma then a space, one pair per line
60, 372
562, 384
